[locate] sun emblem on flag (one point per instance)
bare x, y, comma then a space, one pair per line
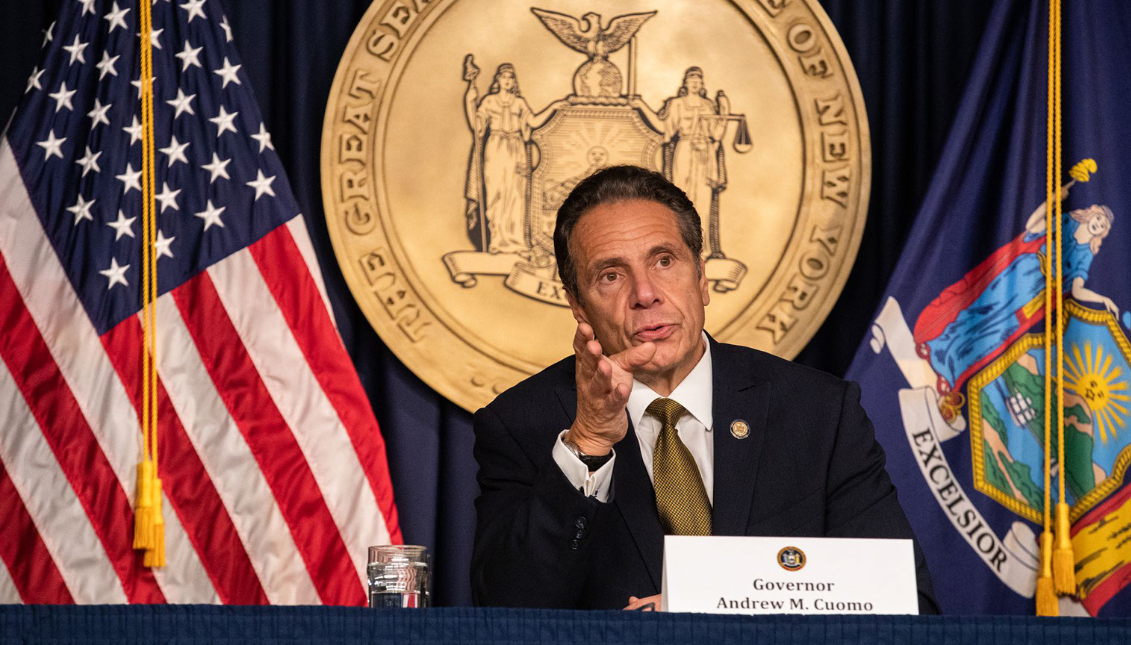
1094, 378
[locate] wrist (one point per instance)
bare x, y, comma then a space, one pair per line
586, 446
592, 462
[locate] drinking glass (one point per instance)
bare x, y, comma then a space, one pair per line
400, 575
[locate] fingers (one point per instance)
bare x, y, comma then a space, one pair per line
651, 603
586, 347
583, 335
635, 356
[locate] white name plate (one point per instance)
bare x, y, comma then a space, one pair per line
762, 575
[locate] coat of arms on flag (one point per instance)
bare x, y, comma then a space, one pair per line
955, 372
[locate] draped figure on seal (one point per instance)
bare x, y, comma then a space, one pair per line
499, 170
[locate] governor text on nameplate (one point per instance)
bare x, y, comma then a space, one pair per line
760, 575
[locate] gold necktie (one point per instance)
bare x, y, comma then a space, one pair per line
681, 498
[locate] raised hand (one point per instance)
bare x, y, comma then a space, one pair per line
603, 385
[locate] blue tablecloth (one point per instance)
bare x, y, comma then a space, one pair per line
250, 625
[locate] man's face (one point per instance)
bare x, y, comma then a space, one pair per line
638, 282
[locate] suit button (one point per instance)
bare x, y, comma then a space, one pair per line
580, 522
574, 544
580, 534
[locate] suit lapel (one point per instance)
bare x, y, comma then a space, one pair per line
738, 396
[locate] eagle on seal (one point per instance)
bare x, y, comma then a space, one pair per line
597, 76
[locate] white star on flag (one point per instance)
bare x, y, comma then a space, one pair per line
227, 29
262, 185
106, 65
194, 8
117, 274
264, 138
81, 209
224, 121
229, 73
189, 56
175, 151
218, 167
63, 98
154, 38
162, 245
182, 103
98, 114
134, 130
52, 146
89, 161
116, 18
137, 84
33, 80
76, 49
122, 226
168, 198
131, 178
211, 215
87, 7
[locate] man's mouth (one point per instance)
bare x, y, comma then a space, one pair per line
652, 333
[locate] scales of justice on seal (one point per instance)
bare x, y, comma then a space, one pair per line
524, 163
455, 129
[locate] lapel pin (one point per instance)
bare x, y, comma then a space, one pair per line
739, 429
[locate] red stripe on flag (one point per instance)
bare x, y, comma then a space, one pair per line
33, 571
72, 441
280, 263
185, 481
271, 441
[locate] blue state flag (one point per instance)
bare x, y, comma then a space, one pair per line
953, 368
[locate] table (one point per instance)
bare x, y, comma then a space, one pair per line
252, 625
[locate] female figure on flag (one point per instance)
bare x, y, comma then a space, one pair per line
974, 320
499, 171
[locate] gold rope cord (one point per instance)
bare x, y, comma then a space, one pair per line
1064, 565
149, 533
1046, 594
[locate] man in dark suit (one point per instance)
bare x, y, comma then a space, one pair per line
654, 428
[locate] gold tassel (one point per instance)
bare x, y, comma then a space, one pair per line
143, 513
1047, 604
155, 554
1063, 561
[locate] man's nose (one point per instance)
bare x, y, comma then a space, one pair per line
644, 292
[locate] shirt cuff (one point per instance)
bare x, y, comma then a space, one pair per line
594, 484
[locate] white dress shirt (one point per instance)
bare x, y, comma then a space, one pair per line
695, 393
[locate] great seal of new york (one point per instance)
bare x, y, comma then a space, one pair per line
455, 129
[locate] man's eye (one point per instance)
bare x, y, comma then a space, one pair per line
665, 261
609, 277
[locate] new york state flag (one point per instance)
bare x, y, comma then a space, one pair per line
953, 370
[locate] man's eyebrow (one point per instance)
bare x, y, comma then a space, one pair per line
605, 263
660, 248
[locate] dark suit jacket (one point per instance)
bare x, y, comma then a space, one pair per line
809, 467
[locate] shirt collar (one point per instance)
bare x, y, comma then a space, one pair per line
695, 393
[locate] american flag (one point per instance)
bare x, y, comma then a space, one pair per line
274, 469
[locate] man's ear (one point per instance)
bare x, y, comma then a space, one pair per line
703, 290
575, 308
